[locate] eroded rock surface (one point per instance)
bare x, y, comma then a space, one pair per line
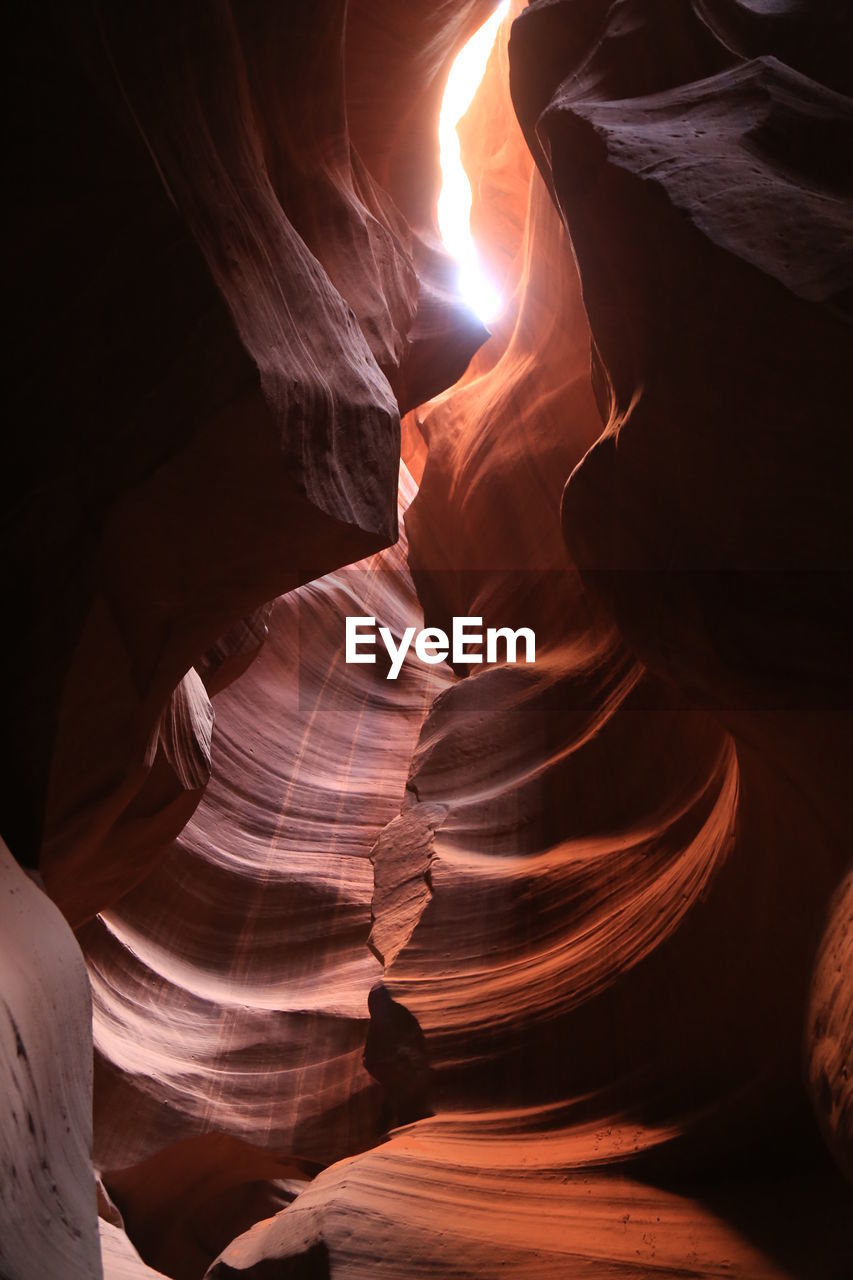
494, 966
48, 1204
612, 1003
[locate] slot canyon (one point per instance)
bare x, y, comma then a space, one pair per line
540, 969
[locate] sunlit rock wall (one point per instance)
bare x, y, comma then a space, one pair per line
603, 895
493, 967
221, 291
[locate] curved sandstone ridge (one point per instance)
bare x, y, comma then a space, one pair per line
219, 425
48, 1205
723, 362
440, 1212
829, 1032
231, 988
495, 966
596, 971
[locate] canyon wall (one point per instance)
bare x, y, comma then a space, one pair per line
542, 967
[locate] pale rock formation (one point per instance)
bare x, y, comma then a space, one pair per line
48, 1203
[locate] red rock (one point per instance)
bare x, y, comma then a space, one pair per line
48, 1206
502, 966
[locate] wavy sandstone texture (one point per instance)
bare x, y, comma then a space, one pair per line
540, 969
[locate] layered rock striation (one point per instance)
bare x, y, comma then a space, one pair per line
542, 967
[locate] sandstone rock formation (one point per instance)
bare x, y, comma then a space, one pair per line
47, 1186
539, 968
230, 439
829, 1031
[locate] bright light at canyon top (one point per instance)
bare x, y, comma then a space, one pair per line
454, 202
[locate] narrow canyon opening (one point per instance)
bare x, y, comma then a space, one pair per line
454, 200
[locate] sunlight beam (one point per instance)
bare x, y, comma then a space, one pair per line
454, 201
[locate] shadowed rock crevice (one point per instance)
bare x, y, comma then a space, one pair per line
395, 1054
313, 1264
